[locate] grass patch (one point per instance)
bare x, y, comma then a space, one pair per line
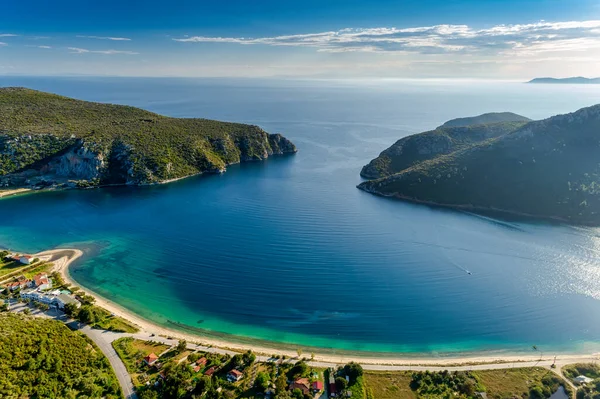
498, 384
132, 351
389, 385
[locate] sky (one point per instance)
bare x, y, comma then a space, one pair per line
466, 39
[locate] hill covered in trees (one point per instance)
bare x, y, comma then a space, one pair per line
44, 359
451, 136
46, 139
548, 168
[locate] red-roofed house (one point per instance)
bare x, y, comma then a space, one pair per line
317, 386
234, 375
42, 282
197, 369
151, 359
18, 284
302, 384
210, 371
201, 362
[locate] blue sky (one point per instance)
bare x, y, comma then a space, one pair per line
505, 39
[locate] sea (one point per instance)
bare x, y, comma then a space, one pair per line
288, 252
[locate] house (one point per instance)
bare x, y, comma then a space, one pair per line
18, 285
151, 359
26, 259
201, 362
197, 369
582, 379
302, 384
210, 371
234, 375
317, 386
42, 282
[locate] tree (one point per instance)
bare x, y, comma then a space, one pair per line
280, 384
341, 384
353, 370
299, 369
71, 309
262, 381
148, 394
299, 352
26, 311
297, 394
181, 346
248, 358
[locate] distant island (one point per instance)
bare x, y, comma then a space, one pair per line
548, 168
47, 140
574, 80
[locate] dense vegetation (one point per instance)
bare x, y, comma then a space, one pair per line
452, 136
49, 139
44, 359
549, 168
590, 370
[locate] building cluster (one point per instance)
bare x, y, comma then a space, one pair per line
38, 289
39, 282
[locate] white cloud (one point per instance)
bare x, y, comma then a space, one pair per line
3, 44
439, 39
44, 47
118, 39
77, 50
7, 35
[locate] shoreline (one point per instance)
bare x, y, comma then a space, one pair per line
61, 265
473, 208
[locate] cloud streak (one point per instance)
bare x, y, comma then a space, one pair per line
77, 50
535, 38
7, 35
116, 39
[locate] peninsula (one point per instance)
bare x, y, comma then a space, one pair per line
547, 169
47, 140
579, 80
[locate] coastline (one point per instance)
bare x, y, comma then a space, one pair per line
147, 328
473, 208
14, 191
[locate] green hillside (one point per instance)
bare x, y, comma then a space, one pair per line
46, 139
44, 359
549, 169
451, 136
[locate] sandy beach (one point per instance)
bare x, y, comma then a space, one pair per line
15, 191
63, 258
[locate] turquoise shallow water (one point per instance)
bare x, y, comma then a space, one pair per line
290, 251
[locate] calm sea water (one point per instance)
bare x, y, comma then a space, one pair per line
290, 251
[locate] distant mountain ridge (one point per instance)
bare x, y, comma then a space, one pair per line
572, 80
547, 169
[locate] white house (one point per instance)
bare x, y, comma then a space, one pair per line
582, 379
58, 301
26, 259
42, 282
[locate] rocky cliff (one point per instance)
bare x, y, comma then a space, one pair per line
49, 140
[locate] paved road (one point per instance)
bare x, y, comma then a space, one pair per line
104, 339
101, 338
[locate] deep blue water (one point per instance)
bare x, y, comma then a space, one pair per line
289, 250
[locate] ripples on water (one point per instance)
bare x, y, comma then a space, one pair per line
290, 250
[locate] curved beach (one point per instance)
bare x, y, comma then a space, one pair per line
63, 258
